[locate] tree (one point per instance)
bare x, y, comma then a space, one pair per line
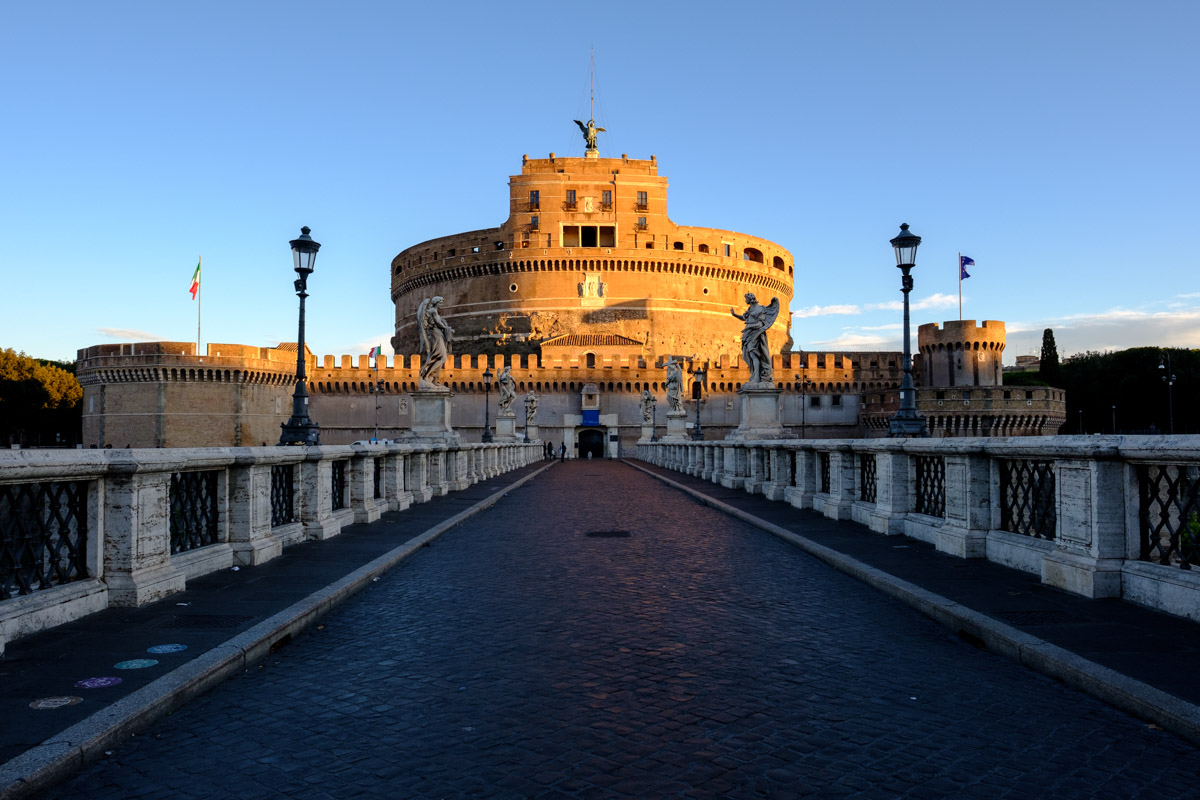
1049, 366
38, 402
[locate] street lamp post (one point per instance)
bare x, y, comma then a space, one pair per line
697, 395
1168, 377
300, 429
1114, 420
906, 421
527, 423
378, 389
804, 383
487, 390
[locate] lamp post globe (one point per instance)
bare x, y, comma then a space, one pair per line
299, 429
487, 390
906, 421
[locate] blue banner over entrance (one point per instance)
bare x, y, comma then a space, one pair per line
591, 418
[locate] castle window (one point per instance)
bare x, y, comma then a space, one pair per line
591, 359
642, 201
499, 245
641, 223
570, 204
649, 245
751, 254
837, 400
570, 236
728, 250
606, 199
533, 222
814, 401
777, 263
702, 248
678, 245
535, 200
588, 236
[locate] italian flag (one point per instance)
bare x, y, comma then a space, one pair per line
376, 352
195, 287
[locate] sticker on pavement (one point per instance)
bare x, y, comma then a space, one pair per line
51, 703
97, 683
137, 663
166, 648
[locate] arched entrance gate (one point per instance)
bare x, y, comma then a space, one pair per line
591, 441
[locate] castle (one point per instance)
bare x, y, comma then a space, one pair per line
586, 288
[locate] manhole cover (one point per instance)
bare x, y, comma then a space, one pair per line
608, 534
206, 622
1039, 617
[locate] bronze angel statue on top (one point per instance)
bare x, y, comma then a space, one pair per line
589, 132
755, 350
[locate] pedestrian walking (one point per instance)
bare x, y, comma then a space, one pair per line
562, 451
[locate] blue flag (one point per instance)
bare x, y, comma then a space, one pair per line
963, 263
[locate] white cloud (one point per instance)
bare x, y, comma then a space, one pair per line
856, 341
130, 335
365, 345
824, 311
1114, 329
933, 301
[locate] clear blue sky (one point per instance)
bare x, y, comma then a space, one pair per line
1054, 143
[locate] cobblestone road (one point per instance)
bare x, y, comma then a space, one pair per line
697, 657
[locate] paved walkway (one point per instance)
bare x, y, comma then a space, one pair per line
598, 634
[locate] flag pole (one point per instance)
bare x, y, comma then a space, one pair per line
960, 286
199, 302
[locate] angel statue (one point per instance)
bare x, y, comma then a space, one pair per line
674, 385
508, 388
648, 404
530, 407
589, 132
755, 349
435, 341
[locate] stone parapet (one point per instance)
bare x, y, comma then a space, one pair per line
1099, 516
130, 527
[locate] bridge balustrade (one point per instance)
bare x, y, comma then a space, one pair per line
81, 530
1096, 516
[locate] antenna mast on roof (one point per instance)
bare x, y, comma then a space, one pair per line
590, 130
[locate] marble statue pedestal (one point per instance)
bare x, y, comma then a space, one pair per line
506, 427
676, 427
760, 413
647, 432
430, 417
531, 432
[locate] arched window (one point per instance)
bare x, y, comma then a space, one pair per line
703, 248
591, 360
752, 254
777, 263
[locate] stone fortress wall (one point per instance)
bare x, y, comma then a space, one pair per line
163, 394
605, 260
587, 283
961, 353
